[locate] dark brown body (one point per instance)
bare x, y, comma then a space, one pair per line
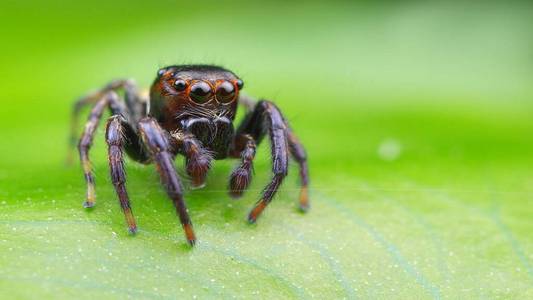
190, 111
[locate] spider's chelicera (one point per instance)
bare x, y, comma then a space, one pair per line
189, 111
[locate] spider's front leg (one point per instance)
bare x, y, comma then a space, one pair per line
295, 147
157, 142
266, 117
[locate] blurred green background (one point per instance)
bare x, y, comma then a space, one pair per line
417, 118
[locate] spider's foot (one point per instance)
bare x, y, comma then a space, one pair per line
256, 211
88, 204
130, 220
239, 180
189, 234
132, 230
304, 199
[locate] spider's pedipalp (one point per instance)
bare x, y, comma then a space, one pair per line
244, 147
197, 160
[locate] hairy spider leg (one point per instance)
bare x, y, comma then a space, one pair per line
121, 135
266, 117
136, 107
247, 102
108, 100
158, 144
298, 153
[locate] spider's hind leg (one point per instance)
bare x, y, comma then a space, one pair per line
110, 100
298, 153
136, 105
85, 144
133, 108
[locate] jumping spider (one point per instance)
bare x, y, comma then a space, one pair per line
190, 110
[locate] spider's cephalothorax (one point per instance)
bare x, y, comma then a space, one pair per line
199, 100
190, 111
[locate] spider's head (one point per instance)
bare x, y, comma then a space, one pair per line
197, 90
198, 99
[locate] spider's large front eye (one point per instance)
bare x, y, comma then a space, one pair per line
200, 92
225, 92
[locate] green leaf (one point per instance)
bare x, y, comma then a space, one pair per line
420, 172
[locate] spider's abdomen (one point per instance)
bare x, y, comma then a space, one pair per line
214, 134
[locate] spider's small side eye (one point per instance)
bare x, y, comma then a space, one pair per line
225, 92
161, 72
180, 85
240, 84
200, 92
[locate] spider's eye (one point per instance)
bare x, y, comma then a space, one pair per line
240, 84
200, 92
225, 92
161, 72
180, 85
